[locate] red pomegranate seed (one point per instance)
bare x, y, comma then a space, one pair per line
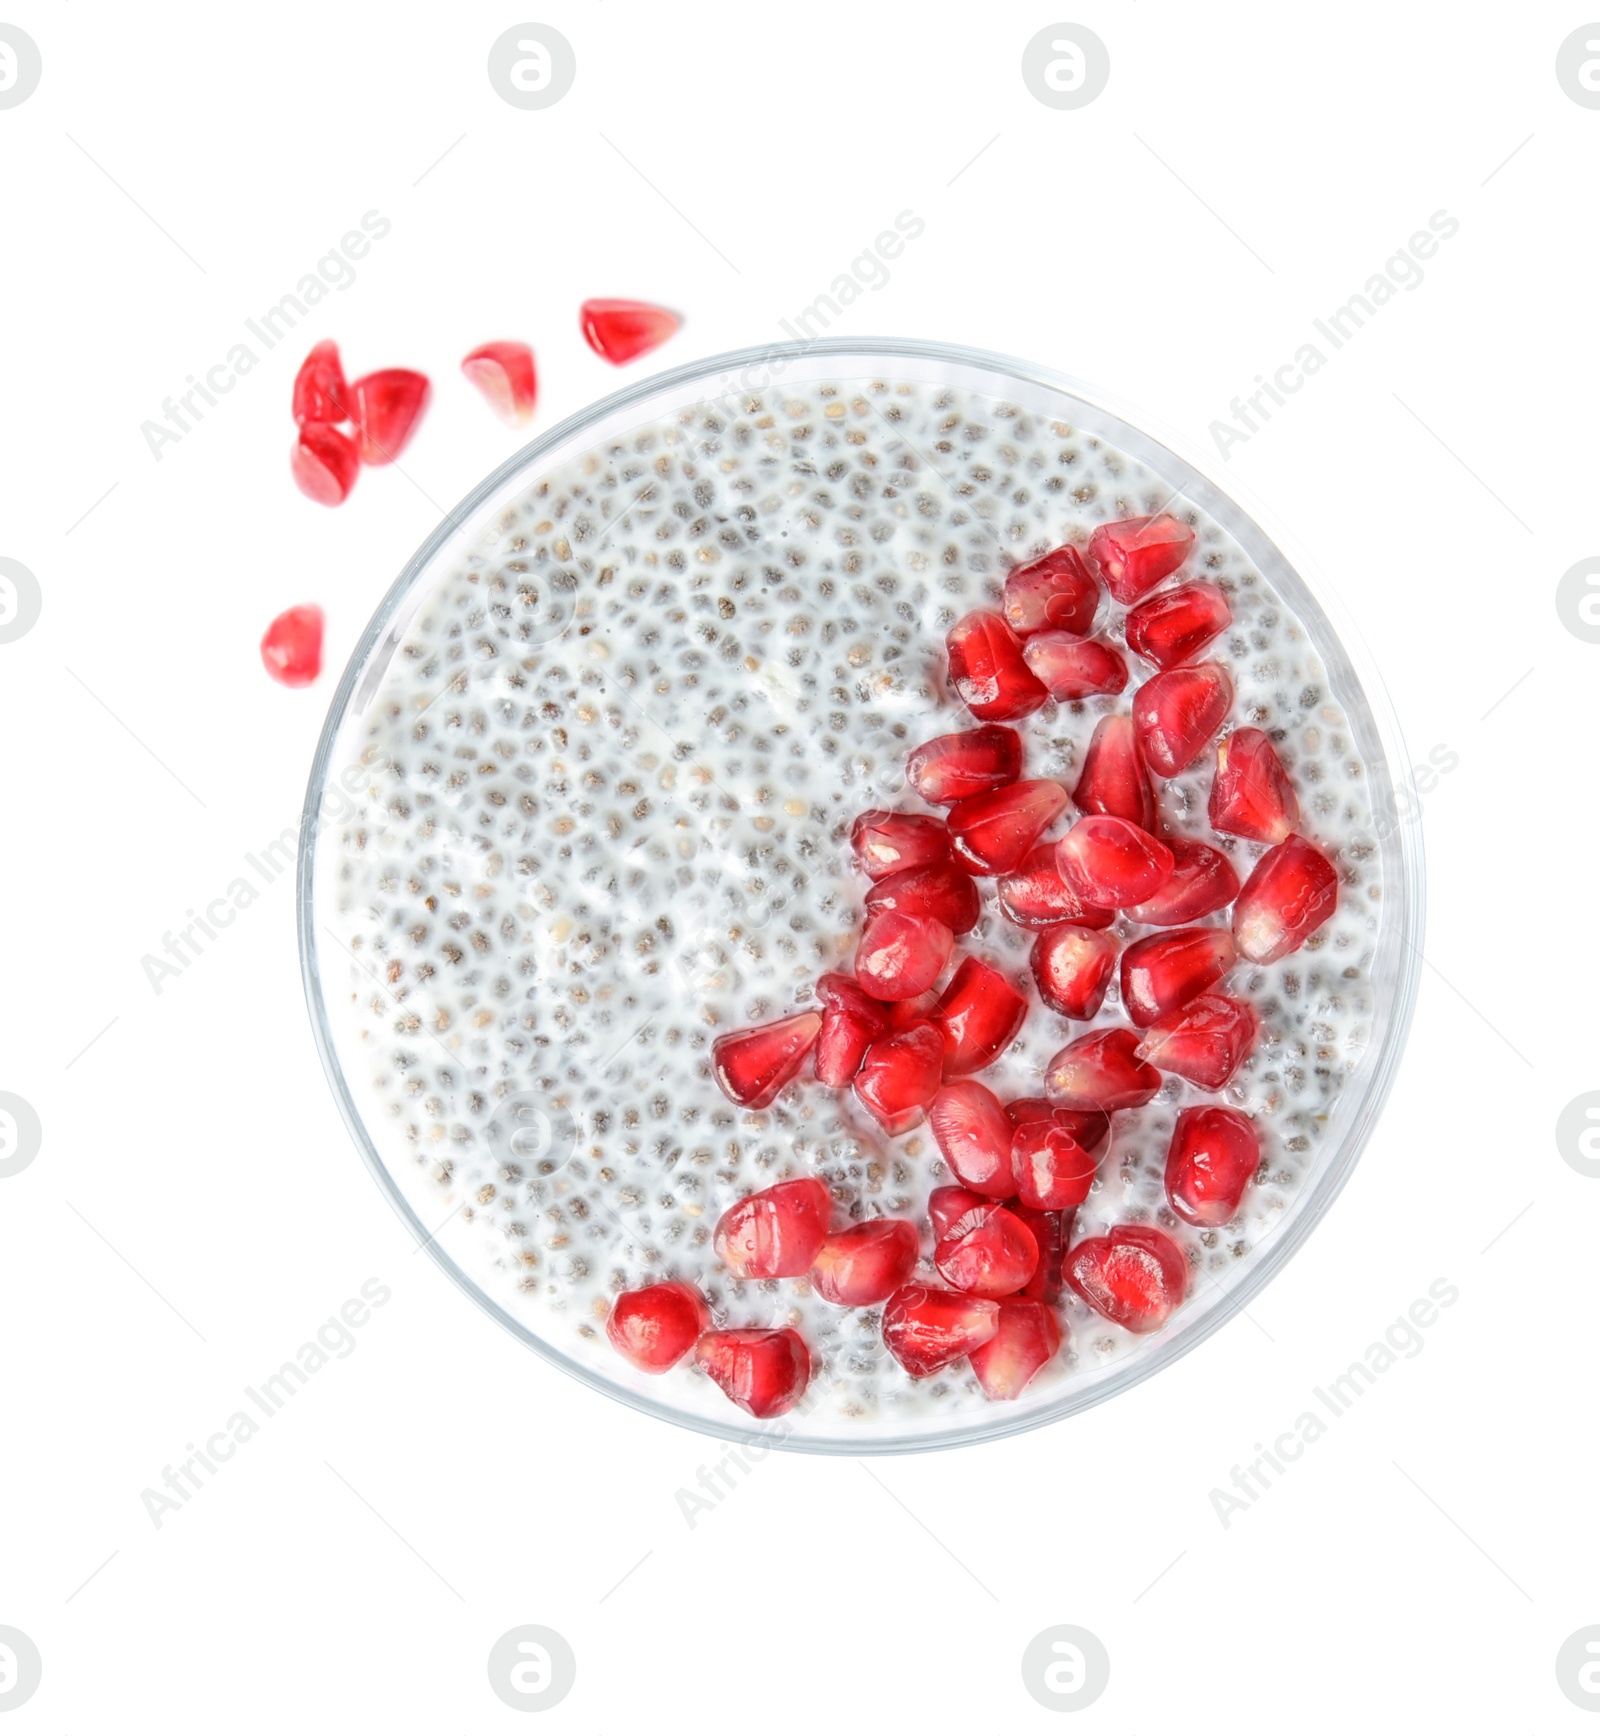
1075, 668
1177, 712
752, 1066
1202, 881
291, 647
656, 1327
1135, 554
900, 1075
925, 1330
387, 406
866, 1263
1072, 967
320, 392
1203, 1042
951, 767
885, 843
1113, 779
851, 1021
1291, 892
775, 1233
622, 331
1108, 861
1090, 1127
324, 463
1053, 1171
1033, 895
505, 374
1165, 971
993, 1256
900, 955
1251, 795
980, 1013
1049, 1231
939, 889
916, 1011
973, 1134
1134, 1275
987, 670
1101, 1071
1174, 626
947, 1206
1056, 591
1212, 1159
1027, 1337
764, 1372
991, 834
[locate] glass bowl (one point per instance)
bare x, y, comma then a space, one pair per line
863, 484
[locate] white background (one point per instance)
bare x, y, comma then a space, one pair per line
1424, 1560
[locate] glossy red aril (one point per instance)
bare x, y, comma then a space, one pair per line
1027, 1336
622, 331
386, 408
320, 392
1049, 1231
851, 1021
291, 648
980, 1013
916, 1011
1075, 668
1054, 1173
752, 1066
1033, 895
1101, 1071
987, 669
900, 1075
324, 463
991, 834
1113, 779
1203, 880
987, 1253
966, 763
1134, 1275
885, 843
866, 1263
1203, 1042
1251, 795
1056, 591
973, 1133
937, 889
1135, 554
1108, 861
1212, 1159
1291, 892
947, 1206
763, 1371
1163, 971
1175, 626
925, 1329
656, 1327
1090, 1127
505, 374
900, 955
1072, 967
1177, 712
776, 1233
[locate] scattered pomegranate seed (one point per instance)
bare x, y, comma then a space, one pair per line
291, 648
1033, 895
1251, 795
1212, 1159
900, 955
1174, 626
866, 1263
1165, 971
916, 1011
991, 834
980, 1013
973, 1133
1027, 1336
1108, 861
622, 331
320, 392
1090, 1127
948, 1205
1054, 1173
1291, 892
1203, 880
656, 1327
1049, 1231
1072, 967
992, 1256
752, 1066
1134, 1275
900, 1076
775, 1233
1075, 668
968, 763
1056, 591
324, 463
851, 1021
938, 889
1113, 779
885, 843
1101, 1070
764, 1372
1203, 1042
1178, 711
925, 1330
387, 407
505, 374
1135, 554
987, 669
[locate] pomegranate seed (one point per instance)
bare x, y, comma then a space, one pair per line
1113, 862
973, 1133
927, 1329
1202, 881
1101, 1071
1072, 967
947, 1206
1033, 895
967, 763
866, 1263
1133, 1275
1291, 892
987, 670
1251, 795
1177, 625
505, 374
752, 1066
900, 955
387, 408
939, 890
1212, 1159
320, 392
1075, 668
1135, 554
324, 464
991, 834
1204, 1041
1165, 971
1178, 711
622, 331
1090, 1127
1113, 779
851, 1021
1027, 1336
994, 1256
900, 1076
1049, 1231
1053, 1171
656, 1327
885, 843
916, 1011
1057, 590
764, 1372
980, 1014
775, 1233
291, 647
